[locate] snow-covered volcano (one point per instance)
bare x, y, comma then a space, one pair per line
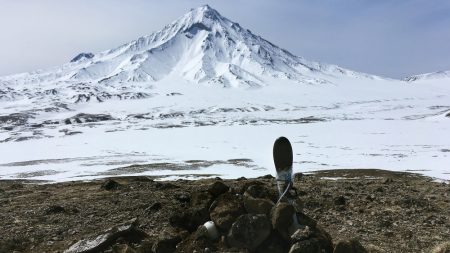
206, 96
202, 47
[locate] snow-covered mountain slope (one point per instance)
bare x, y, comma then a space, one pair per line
202, 47
206, 96
430, 76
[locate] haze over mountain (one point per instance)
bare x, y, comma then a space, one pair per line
206, 96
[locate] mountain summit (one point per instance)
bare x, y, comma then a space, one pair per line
202, 47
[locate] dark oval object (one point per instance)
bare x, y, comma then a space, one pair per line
282, 154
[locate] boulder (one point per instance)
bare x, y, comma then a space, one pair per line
261, 191
189, 219
225, 210
110, 185
283, 218
249, 231
258, 205
314, 240
104, 240
217, 188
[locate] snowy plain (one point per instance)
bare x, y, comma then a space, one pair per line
203, 98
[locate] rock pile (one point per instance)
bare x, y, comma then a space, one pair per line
225, 219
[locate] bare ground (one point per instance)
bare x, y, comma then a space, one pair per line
386, 211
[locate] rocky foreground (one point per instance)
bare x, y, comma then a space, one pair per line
337, 211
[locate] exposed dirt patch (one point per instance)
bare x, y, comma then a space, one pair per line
390, 211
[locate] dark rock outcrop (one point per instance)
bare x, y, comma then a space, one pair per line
249, 231
225, 210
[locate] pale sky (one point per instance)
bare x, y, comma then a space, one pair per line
389, 38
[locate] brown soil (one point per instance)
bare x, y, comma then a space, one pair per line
387, 211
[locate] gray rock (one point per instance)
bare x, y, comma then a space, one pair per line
282, 219
107, 238
225, 211
110, 185
217, 188
261, 191
249, 231
257, 205
189, 219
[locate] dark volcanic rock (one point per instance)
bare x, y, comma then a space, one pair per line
82, 56
282, 219
225, 210
349, 246
261, 191
196, 213
249, 231
110, 185
257, 205
217, 188
307, 240
189, 219
15, 119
